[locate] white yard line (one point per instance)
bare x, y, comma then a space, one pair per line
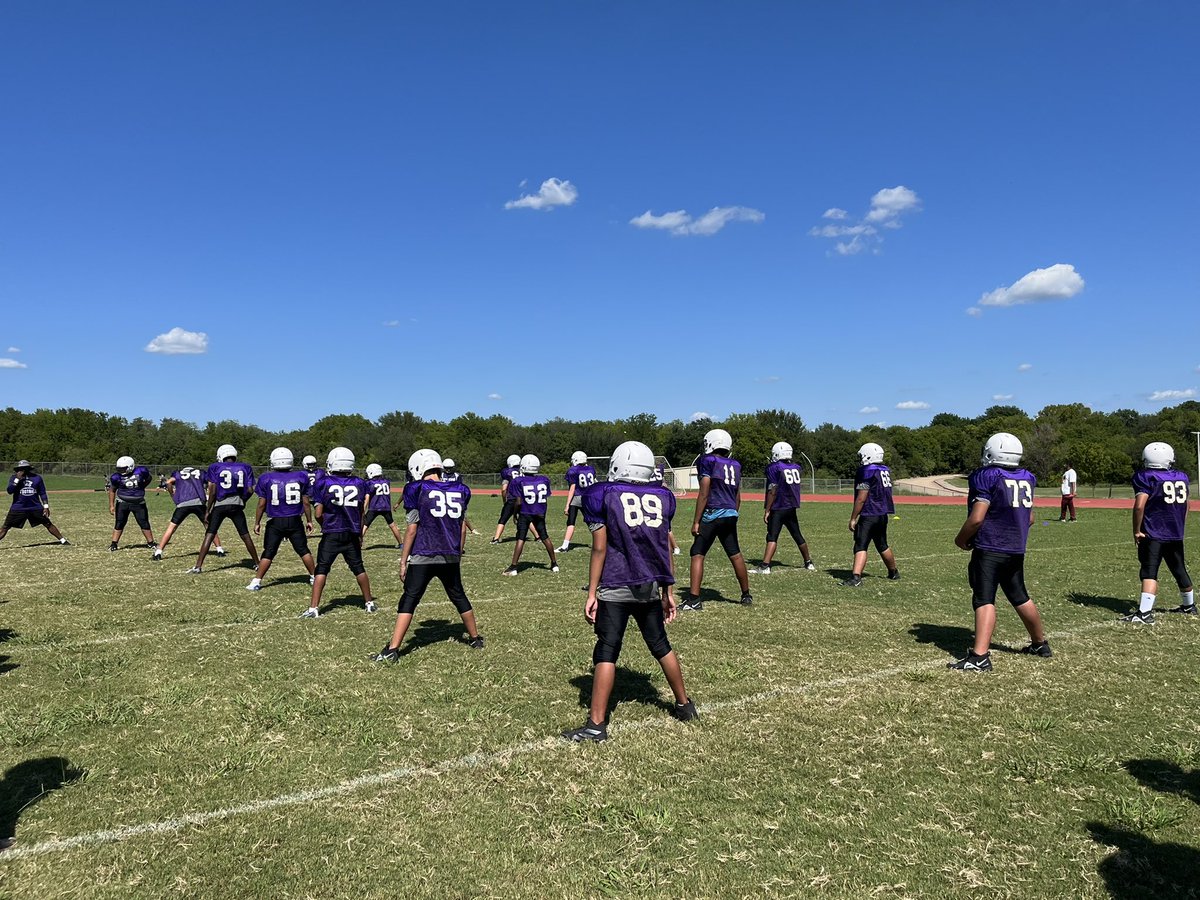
466, 762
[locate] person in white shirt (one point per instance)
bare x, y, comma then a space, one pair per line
1069, 483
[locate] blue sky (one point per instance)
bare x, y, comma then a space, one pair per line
332, 195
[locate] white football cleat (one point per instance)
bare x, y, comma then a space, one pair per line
311, 613
254, 585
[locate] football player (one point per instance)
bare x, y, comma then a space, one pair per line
230, 484
449, 475
999, 513
436, 515
869, 518
531, 492
1160, 505
310, 469
30, 502
187, 490
379, 502
781, 505
630, 576
716, 516
341, 499
509, 507
127, 496
283, 496
579, 477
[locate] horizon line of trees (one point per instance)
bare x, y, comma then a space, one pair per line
1102, 447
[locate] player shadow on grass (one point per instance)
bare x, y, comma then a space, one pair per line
1164, 776
8, 546
329, 606
953, 639
433, 631
1144, 868
28, 782
840, 574
629, 687
1112, 604
6, 634
525, 565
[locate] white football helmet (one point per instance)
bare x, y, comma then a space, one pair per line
870, 453
281, 458
514, 460
310, 462
1002, 449
340, 459
579, 458
125, 464
1158, 456
717, 439
374, 470
447, 463
421, 462
632, 462
781, 450
225, 451
530, 464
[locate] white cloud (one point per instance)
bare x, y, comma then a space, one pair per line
392, 323
178, 341
912, 404
868, 410
1057, 282
552, 193
880, 424
887, 208
495, 397
1002, 396
890, 203
767, 379
1187, 394
14, 349
680, 222
1024, 367
974, 311
699, 417
12, 364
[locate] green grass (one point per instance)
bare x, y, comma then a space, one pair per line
834, 755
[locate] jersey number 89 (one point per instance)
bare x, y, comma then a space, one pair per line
642, 509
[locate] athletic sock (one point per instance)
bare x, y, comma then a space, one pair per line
1147, 602
1187, 598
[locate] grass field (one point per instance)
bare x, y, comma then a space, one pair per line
192, 739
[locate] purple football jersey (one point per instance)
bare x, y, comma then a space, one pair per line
283, 491
876, 479
1009, 495
450, 477
234, 482
314, 476
637, 521
29, 492
508, 473
189, 488
532, 492
1166, 505
131, 487
341, 497
441, 507
410, 495
581, 476
786, 477
726, 475
379, 490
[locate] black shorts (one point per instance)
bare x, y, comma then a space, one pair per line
182, 512
612, 618
140, 514
989, 571
723, 530
780, 519
343, 544
373, 514
1152, 554
572, 514
870, 529
539, 527
507, 511
418, 577
235, 514
290, 527
17, 518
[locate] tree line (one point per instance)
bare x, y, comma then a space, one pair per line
1102, 447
